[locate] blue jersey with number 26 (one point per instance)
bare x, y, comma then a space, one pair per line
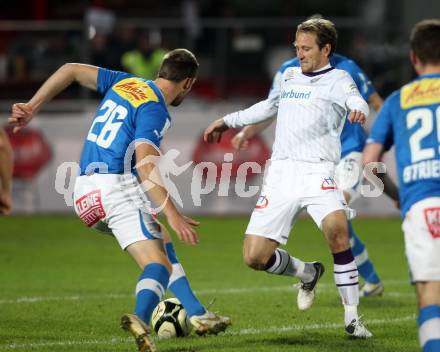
410, 119
132, 108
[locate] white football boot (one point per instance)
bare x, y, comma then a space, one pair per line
209, 323
370, 290
306, 293
357, 329
140, 332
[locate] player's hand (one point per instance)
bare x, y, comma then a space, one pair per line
240, 141
5, 203
213, 134
183, 226
21, 114
356, 116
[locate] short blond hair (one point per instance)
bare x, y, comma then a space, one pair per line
325, 31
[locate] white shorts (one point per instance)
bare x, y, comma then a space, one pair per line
113, 204
348, 174
422, 239
289, 187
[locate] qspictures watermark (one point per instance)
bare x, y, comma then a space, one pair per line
207, 177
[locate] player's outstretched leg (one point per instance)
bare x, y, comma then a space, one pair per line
373, 285
281, 263
204, 322
149, 290
261, 253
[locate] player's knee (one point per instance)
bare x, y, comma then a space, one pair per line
254, 263
337, 237
159, 258
254, 260
428, 293
163, 259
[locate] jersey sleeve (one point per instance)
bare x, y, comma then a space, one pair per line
382, 129
258, 112
108, 78
363, 83
347, 94
151, 123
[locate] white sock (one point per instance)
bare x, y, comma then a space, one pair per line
351, 312
346, 279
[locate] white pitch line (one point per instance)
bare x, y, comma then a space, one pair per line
60, 298
242, 332
26, 346
287, 328
323, 287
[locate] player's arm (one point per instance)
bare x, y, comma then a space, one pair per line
6, 165
373, 153
153, 184
380, 140
357, 107
390, 188
258, 112
85, 75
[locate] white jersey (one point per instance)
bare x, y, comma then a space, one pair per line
311, 110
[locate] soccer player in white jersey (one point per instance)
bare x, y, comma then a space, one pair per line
133, 112
349, 174
311, 111
410, 120
6, 165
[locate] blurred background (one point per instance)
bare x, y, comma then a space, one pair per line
239, 45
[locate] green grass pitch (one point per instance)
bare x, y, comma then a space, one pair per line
64, 287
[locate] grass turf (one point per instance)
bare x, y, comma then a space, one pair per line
64, 287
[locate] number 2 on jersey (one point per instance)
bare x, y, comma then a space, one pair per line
426, 127
113, 117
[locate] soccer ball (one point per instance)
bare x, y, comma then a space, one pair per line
169, 319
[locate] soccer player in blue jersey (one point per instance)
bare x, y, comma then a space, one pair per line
133, 112
349, 169
410, 120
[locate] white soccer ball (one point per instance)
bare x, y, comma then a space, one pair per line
169, 319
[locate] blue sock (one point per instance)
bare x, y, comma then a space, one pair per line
179, 285
150, 289
363, 262
429, 328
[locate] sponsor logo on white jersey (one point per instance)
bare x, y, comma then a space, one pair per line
292, 94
